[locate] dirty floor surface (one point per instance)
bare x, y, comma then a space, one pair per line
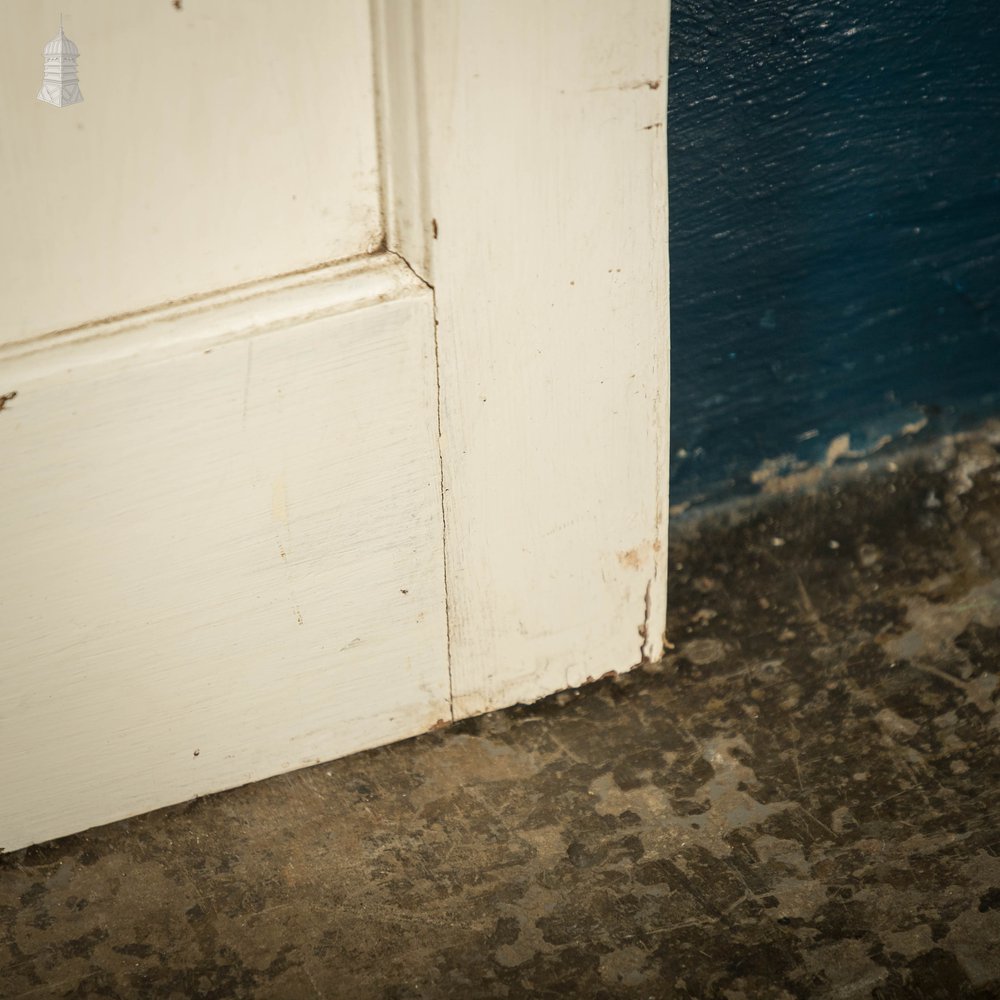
801, 801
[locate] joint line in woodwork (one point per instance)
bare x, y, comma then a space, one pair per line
444, 516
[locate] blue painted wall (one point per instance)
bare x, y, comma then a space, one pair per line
834, 227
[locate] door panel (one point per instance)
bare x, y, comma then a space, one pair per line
216, 144
221, 562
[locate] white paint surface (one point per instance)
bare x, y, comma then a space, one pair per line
232, 524
545, 169
218, 144
221, 562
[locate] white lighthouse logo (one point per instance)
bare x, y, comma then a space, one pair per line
60, 86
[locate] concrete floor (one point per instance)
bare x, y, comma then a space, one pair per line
801, 801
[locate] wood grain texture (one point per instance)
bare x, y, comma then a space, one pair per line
216, 144
546, 171
835, 211
222, 550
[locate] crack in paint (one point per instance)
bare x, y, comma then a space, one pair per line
444, 515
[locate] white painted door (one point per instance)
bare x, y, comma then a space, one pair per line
334, 365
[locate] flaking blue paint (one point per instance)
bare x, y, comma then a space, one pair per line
835, 228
